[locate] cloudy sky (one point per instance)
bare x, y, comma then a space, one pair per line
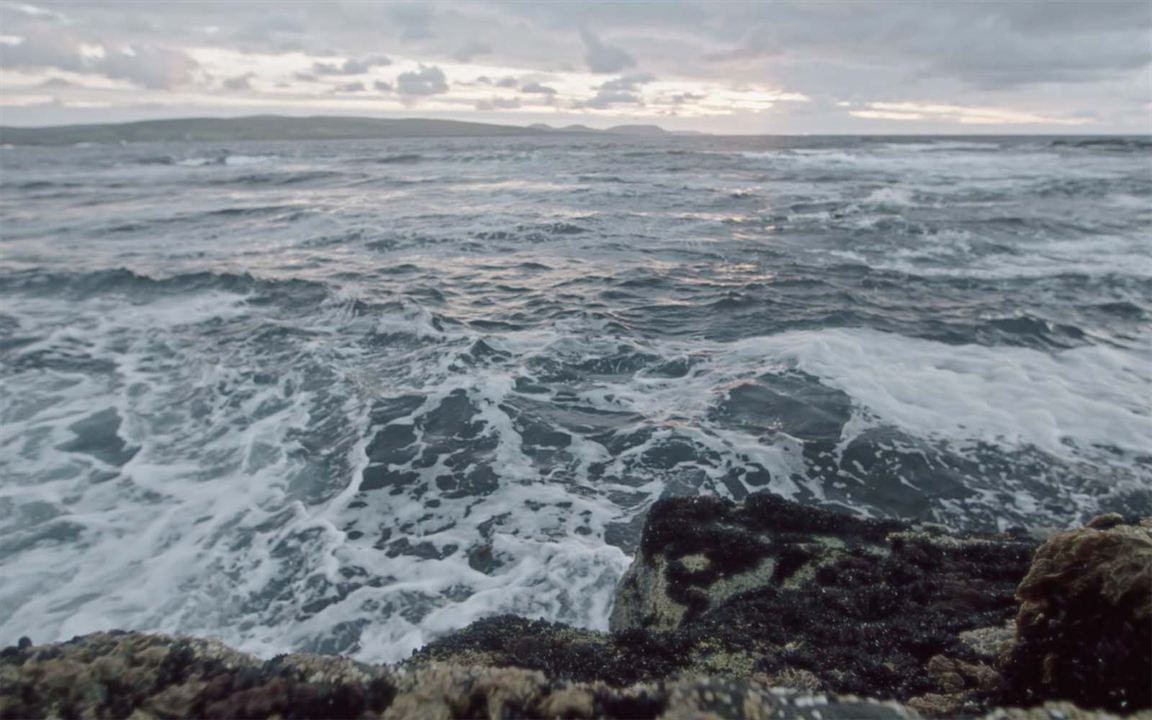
852, 66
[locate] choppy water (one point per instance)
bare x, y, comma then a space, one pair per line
343, 396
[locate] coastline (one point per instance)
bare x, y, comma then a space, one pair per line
762, 609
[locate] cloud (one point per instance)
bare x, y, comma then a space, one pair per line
147, 65
36, 12
351, 66
240, 82
428, 80
605, 99
537, 88
382, 86
965, 115
628, 83
498, 104
413, 19
44, 46
719, 64
268, 31
983, 45
686, 98
470, 50
602, 58
349, 87
623, 90
150, 66
57, 83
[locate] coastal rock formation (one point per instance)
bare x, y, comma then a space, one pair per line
119, 674
852, 605
753, 610
146, 677
1084, 630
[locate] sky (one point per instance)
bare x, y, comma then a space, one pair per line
854, 66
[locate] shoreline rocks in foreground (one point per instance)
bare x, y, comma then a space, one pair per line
725, 606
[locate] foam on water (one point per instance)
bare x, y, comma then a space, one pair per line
461, 371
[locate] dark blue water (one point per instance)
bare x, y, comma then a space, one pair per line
344, 396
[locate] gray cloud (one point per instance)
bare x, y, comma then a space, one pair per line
981, 44
381, 86
413, 19
428, 80
498, 104
351, 66
618, 91
627, 82
680, 99
1065, 58
603, 58
349, 87
240, 82
44, 46
471, 50
150, 66
605, 99
537, 88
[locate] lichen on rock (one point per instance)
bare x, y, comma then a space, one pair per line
1084, 628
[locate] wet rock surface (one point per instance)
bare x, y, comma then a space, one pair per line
1084, 630
725, 607
876, 607
131, 675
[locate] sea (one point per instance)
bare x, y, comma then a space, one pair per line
348, 396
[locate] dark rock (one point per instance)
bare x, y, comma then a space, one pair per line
120, 675
876, 607
725, 604
1084, 630
559, 651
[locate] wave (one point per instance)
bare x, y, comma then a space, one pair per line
399, 159
121, 281
1117, 144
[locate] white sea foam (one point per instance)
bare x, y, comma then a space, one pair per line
898, 196
1062, 403
241, 515
228, 159
208, 529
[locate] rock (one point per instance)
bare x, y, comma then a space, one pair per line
118, 674
695, 553
869, 607
1084, 629
559, 651
725, 606
989, 643
121, 675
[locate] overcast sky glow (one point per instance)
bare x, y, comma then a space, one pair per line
855, 66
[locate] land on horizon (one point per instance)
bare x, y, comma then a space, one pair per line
327, 127
281, 127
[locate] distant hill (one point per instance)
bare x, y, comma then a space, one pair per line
637, 130
278, 127
256, 127
640, 130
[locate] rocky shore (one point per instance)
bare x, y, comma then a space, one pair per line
753, 610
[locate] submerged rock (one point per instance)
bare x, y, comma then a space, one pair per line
1084, 630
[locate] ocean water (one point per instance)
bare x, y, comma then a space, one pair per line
343, 397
